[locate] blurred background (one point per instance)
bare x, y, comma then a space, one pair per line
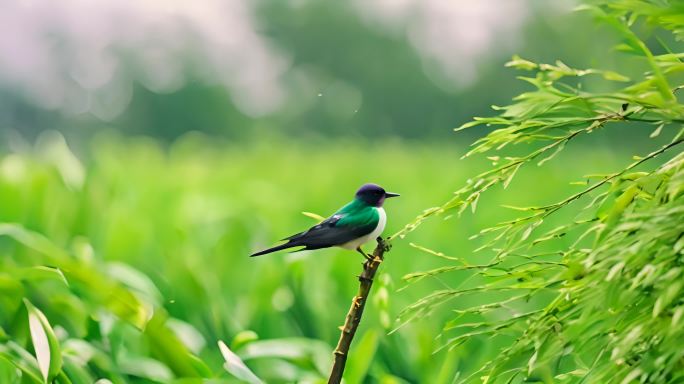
174, 138
236, 69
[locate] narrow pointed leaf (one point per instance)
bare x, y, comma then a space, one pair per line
45, 343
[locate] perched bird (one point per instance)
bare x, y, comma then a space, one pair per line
353, 225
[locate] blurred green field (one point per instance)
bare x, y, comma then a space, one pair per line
141, 166
187, 216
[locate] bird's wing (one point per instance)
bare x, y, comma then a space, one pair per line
337, 229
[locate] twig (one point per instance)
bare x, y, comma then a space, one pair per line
353, 318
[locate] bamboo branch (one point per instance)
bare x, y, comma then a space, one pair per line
353, 318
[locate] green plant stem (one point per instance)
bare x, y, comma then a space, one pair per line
554, 207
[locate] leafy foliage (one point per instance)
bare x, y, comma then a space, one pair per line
172, 228
605, 302
137, 260
83, 300
139, 235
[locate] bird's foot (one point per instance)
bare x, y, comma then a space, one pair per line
385, 244
365, 255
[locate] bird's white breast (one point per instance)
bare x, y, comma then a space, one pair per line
382, 221
381, 224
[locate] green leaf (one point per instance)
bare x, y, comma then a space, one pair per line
665, 299
31, 239
11, 293
614, 76
300, 349
657, 131
76, 373
43, 273
314, 216
9, 374
23, 360
188, 334
236, 367
45, 343
135, 280
145, 367
242, 338
520, 63
98, 287
168, 348
621, 203
360, 361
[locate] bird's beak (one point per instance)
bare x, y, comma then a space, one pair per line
391, 194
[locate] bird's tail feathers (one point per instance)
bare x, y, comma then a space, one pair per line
287, 245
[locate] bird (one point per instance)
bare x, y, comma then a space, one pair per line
353, 225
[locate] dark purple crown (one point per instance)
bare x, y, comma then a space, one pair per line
373, 194
370, 188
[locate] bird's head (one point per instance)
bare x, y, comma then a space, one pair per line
373, 194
